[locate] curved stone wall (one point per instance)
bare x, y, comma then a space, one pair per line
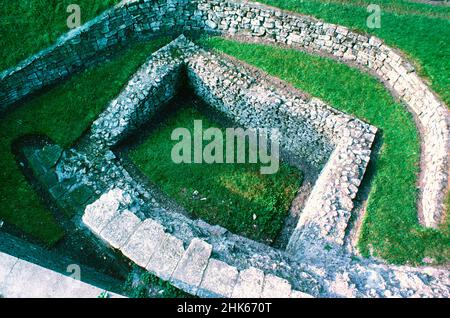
208, 260
95, 41
247, 19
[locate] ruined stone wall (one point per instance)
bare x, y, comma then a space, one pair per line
98, 38
93, 43
258, 22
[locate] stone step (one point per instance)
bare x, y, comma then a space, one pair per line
120, 229
218, 281
144, 242
166, 257
189, 272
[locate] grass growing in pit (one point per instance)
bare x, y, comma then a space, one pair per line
390, 228
62, 113
235, 196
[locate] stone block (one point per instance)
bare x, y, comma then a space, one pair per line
49, 155
147, 238
98, 214
299, 294
276, 287
189, 272
219, 280
120, 229
7, 263
249, 284
166, 257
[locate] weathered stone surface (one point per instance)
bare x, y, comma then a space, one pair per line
219, 280
166, 258
118, 231
147, 238
189, 272
249, 284
98, 214
27, 280
299, 294
275, 287
6, 265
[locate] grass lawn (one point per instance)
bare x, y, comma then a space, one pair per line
390, 229
63, 113
29, 26
235, 196
422, 31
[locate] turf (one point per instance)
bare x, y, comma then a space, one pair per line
235, 196
390, 228
421, 31
62, 113
28, 26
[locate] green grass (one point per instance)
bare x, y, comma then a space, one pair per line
424, 37
62, 113
28, 26
235, 196
390, 228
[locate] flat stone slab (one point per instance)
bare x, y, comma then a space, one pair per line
276, 287
98, 214
147, 238
166, 257
189, 272
249, 284
219, 280
120, 229
27, 280
50, 155
7, 263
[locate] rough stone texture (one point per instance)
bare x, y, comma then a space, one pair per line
268, 24
119, 230
309, 128
101, 212
189, 272
314, 270
275, 287
95, 40
166, 258
26, 280
330, 138
298, 294
249, 284
218, 280
144, 242
7, 263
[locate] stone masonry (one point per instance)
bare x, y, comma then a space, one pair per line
207, 260
137, 19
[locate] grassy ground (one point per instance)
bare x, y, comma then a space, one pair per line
421, 31
235, 196
31, 25
63, 113
390, 228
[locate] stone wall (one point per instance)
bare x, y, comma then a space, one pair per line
97, 39
309, 129
92, 43
245, 19
208, 260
